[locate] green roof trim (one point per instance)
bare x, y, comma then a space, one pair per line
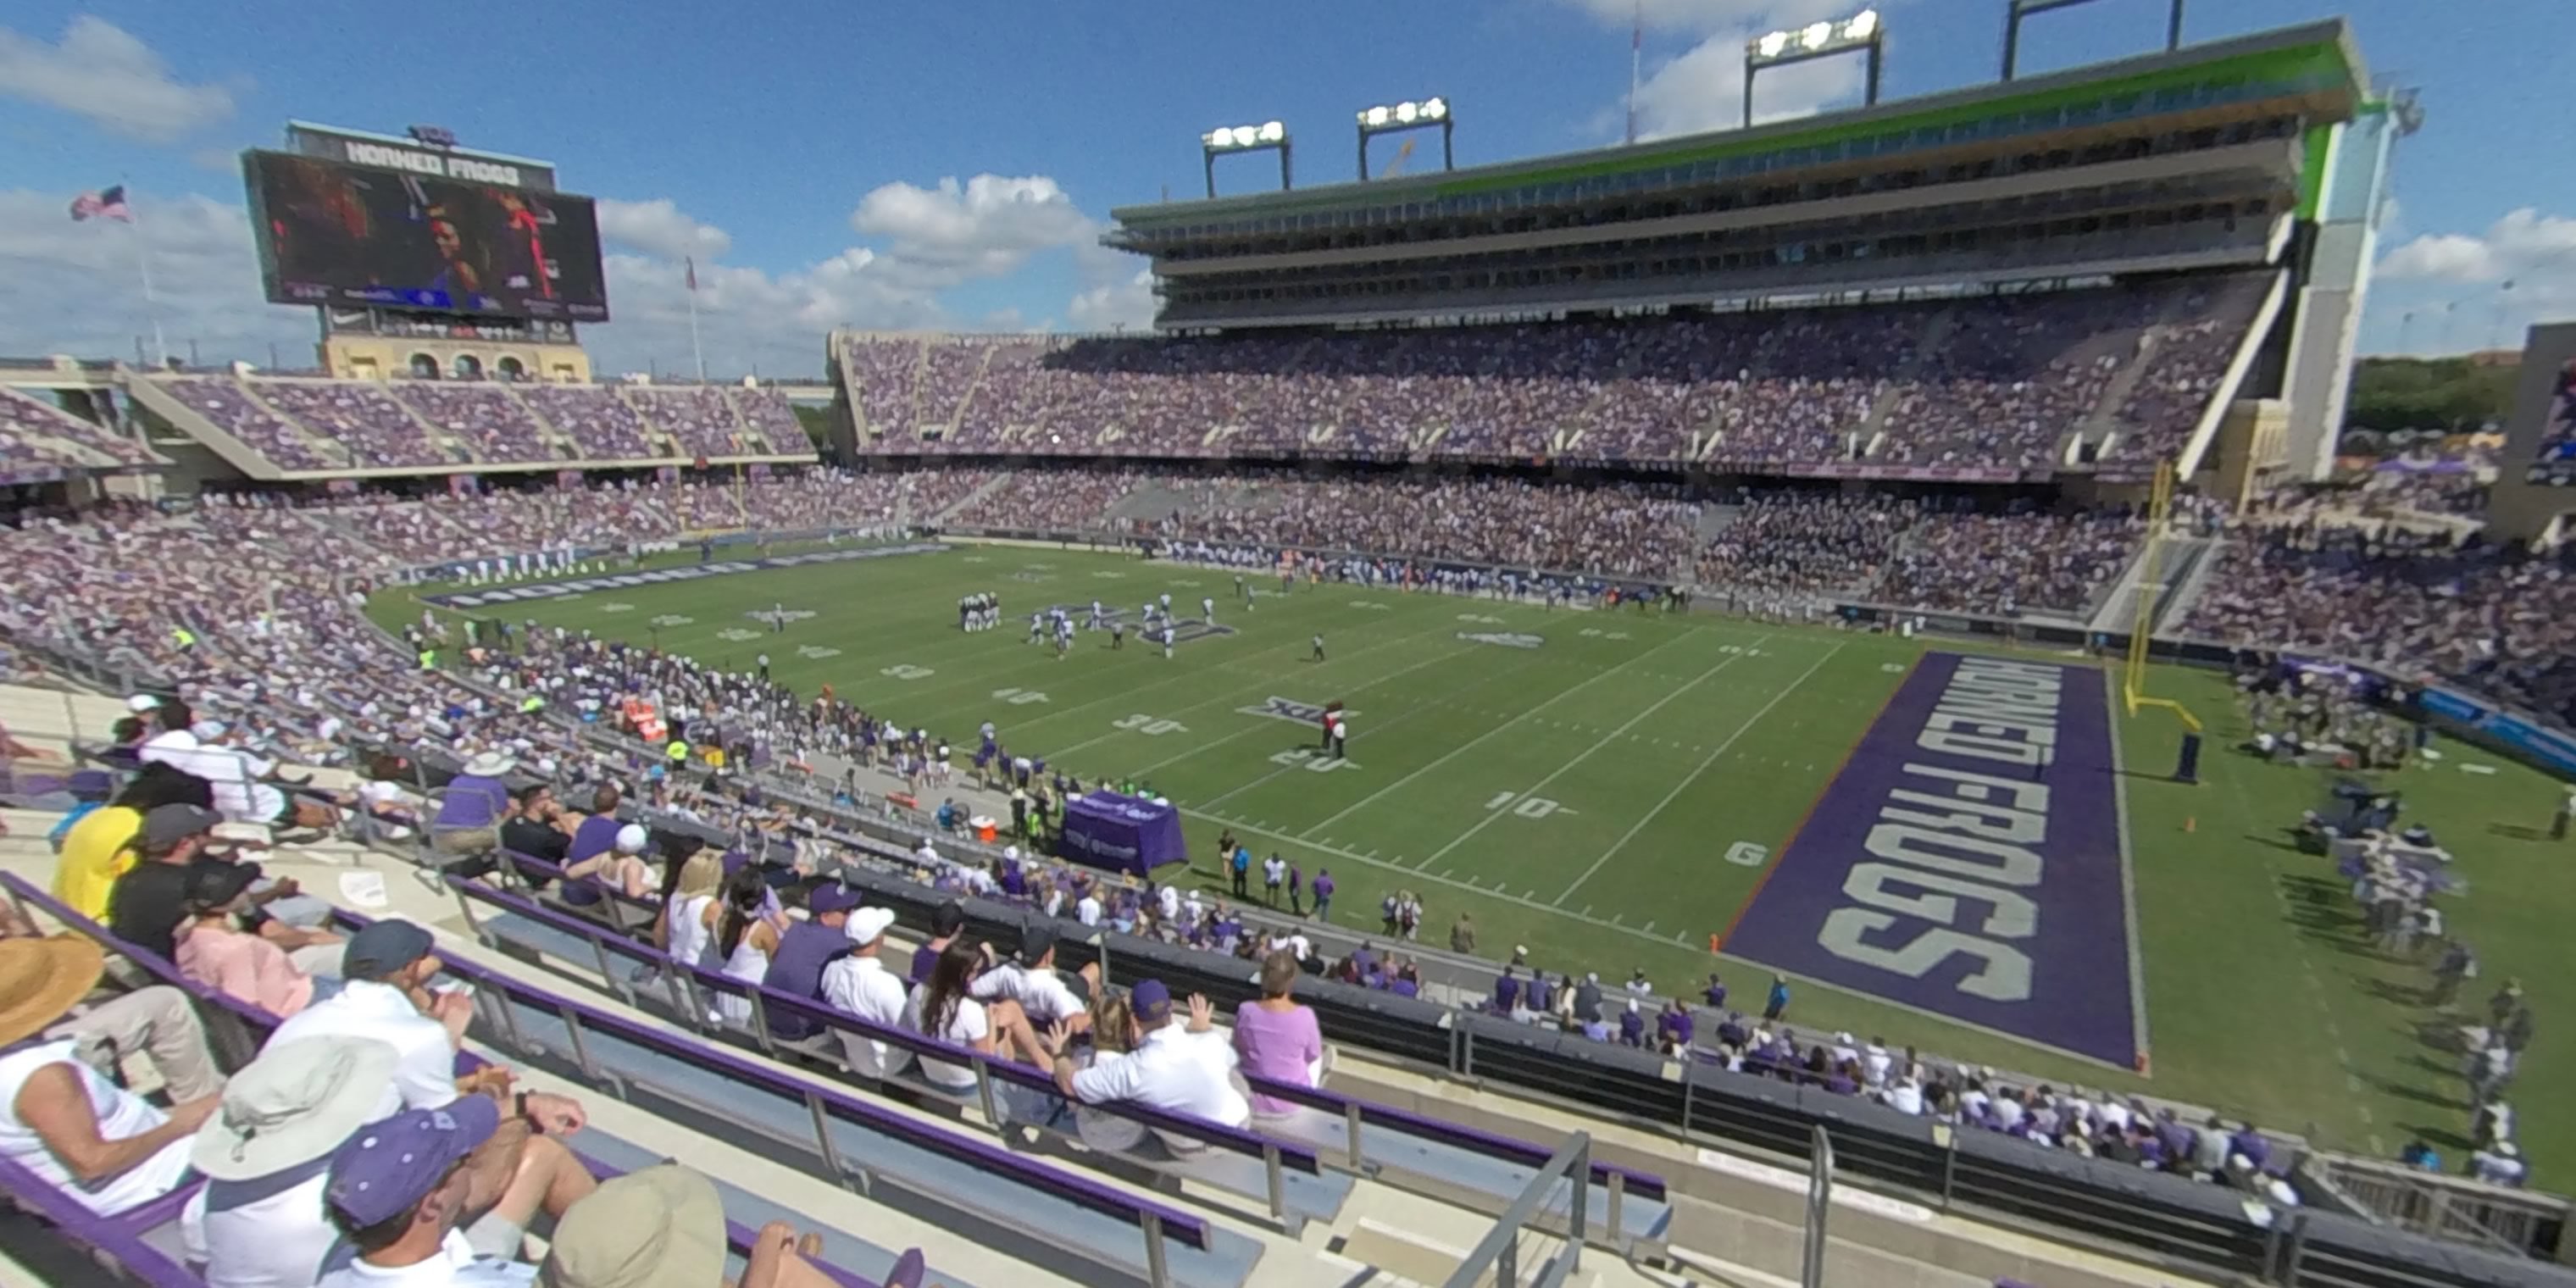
2314, 64
2318, 145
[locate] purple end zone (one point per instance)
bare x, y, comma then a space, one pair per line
1967, 860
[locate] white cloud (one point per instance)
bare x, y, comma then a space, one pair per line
73, 288
657, 227
205, 272
1108, 307
2451, 291
1703, 88
2523, 243
988, 226
100, 71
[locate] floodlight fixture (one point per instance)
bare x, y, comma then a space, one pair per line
1411, 114
2017, 10
1865, 31
1225, 140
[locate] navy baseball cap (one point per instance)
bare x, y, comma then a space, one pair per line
1150, 1001
389, 1167
831, 897
385, 947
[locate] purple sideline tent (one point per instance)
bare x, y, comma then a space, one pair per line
1122, 834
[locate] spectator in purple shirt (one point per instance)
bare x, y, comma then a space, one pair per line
2250, 1145
1673, 1027
469, 817
1276, 1036
946, 923
1507, 992
1632, 1025
1716, 992
1323, 894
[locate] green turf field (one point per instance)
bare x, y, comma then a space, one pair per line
1608, 799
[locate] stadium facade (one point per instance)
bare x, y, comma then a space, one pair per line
2235, 182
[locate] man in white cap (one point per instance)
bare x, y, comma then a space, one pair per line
860, 984
621, 870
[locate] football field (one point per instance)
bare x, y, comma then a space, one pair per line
1613, 789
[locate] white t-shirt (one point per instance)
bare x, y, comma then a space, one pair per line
121, 1115
274, 1241
1169, 899
455, 1266
1088, 911
965, 1028
1174, 1070
426, 1077
1041, 992
865, 988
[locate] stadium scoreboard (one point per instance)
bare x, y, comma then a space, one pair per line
350, 219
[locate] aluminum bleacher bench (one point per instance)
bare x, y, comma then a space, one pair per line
1287, 1177
999, 1198
149, 1233
1477, 1169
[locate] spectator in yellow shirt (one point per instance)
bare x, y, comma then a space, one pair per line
99, 848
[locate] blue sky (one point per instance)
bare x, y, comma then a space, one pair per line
951, 165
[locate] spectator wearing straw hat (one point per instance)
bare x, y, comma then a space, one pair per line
269, 1150
478, 798
664, 1227
102, 1146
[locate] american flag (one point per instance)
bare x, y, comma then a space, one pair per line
106, 204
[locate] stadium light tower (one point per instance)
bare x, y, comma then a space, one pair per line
2016, 10
1268, 136
1863, 30
1397, 117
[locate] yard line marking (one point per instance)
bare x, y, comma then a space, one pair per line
1463, 748
1130, 692
1587, 753
1389, 723
1684, 784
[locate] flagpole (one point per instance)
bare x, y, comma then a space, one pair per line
143, 268
694, 347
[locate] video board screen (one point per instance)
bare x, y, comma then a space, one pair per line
335, 233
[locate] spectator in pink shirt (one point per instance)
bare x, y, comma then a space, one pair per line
215, 951
1277, 1037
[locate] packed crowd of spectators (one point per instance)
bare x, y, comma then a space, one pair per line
1804, 543
33, 433
363, 415
2493, 618
700, 419
1627, 531
260, 604
606, 426
381, 423
2191, 349
484, 415
223, 400
1077, 500
2009, 563
2009, 377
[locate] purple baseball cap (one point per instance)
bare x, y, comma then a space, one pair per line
389, 1167
831, 897
1150, 1001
